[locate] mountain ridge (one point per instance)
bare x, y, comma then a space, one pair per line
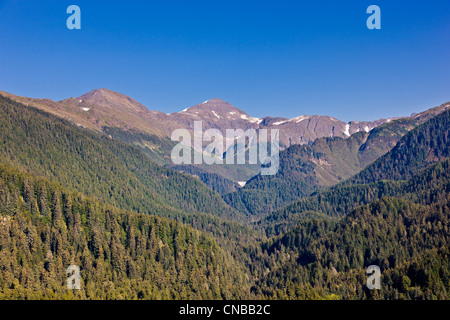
123, 118
118, 103
88, 196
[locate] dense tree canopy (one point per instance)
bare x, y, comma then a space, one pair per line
137, 230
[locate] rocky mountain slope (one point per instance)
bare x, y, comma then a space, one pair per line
324, 163
123, 118
101, 108
70, 195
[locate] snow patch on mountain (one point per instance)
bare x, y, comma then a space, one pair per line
299, 119
296, 119
215, 114
251, 119
347, 130
242, 183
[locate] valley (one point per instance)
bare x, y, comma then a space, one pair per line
88, 181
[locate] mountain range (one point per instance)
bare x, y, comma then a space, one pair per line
125, 119
105, 108
88, 181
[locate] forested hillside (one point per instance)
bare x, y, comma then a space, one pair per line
141, 231
431, 185
98, 166
421, 147
409, 242
215, 181
157, 148
122, 254
324, 243
324, 163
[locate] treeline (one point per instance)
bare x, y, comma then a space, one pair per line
95, 165
325, 242
427, 187
324, 163
102, 205
262, 194
422, 147
158, 149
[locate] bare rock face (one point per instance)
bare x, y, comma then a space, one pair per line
125, 119
215, 114
218, 114
306, 129
101, 108
111, 100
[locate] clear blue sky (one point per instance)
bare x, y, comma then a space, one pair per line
284, 58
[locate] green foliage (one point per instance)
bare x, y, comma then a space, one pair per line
422, 146
157, 148
324, 163
295, 178
215, 181
409, 242
141, 231
408, 170
98, 166
122, 254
